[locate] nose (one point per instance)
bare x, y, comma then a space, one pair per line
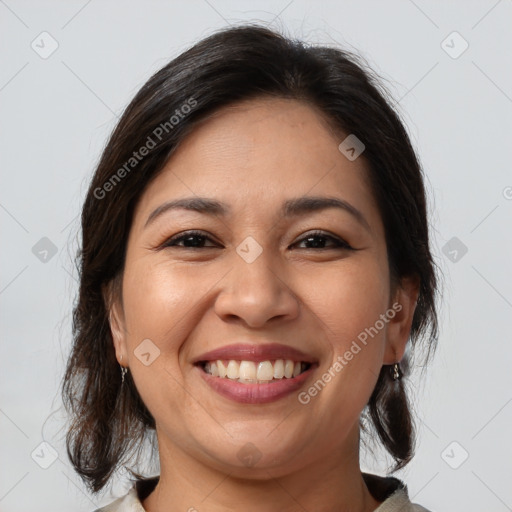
256, 293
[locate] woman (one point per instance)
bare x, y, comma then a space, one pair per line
255, 259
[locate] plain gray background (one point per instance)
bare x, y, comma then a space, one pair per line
57, 112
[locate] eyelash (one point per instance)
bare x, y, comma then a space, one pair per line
339, 243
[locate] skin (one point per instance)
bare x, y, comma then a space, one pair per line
253, 156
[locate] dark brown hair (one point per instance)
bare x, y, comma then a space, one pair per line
108, 423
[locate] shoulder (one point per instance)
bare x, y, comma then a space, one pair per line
127, 503
399, 502
392, 493
131, 501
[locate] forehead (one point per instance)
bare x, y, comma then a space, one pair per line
257, 153
271, 131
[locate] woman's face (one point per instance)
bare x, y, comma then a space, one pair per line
260, 281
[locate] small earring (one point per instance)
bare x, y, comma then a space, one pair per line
397, 373
124, 370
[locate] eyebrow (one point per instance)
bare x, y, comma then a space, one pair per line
290, 208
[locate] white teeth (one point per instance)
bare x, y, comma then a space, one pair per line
251, 372
279, 369
288, 369
233, 370
223, 371
247, 370
265, 371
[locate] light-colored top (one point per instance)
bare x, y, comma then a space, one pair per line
390, 491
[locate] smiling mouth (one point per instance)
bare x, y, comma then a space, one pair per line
254, 372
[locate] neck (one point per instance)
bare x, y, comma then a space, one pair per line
332, 484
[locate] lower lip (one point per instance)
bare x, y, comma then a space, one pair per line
255, 393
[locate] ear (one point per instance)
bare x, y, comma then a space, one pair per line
113, 305
399, 327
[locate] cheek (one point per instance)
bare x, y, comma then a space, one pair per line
165, 302
159, 304
348, 299
159, 300
349, 305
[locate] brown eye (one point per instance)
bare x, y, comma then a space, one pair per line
190, 240
319, 239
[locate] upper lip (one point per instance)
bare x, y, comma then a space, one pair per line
251, 352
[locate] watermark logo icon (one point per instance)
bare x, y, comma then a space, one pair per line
249, 455
147, 352
249, 250
44, 45
454, 455
351, 147
454, 249
454, 45
44, 250
44, 455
